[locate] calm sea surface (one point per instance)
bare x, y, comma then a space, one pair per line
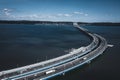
26, 44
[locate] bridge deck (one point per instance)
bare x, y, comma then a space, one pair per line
60, 64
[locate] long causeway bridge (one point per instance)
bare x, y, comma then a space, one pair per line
56, 66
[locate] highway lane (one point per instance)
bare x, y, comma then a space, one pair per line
70, 65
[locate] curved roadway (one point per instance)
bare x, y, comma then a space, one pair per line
59, 65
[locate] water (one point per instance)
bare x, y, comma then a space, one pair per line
21, 45
106, 66
26, 44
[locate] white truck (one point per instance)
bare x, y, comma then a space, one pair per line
50, 71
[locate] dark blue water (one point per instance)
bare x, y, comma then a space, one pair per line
25, 44
105, 67
21, 45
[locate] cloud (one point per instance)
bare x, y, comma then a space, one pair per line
35, 17
32, 16
50, 16
59, 14
77, 12
80, 13
64, 15
86, 14
7, 11
67, 15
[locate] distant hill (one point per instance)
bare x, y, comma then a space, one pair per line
58, 22
105, 24
32, 22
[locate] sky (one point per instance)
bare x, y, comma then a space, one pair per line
61, 10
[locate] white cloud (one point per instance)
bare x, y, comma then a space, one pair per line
32, 16
64, 15
80, 13
67, 15
7, 11
50, 16
35, 16
59, 14
76, 12
86, 14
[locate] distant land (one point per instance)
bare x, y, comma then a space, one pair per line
58, 22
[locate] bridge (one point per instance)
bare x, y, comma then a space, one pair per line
56, 66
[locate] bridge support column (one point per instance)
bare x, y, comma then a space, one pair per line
89, 62
63, 73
